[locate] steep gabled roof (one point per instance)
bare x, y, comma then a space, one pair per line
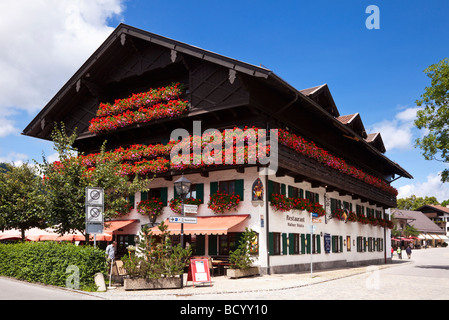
375, 140
322, 95
420, 221
354, 121
107, 62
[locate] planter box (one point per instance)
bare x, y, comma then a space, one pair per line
240, 273
153, 284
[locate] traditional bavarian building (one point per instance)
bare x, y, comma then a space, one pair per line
327, 172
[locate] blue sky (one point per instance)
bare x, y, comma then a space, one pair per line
378, 72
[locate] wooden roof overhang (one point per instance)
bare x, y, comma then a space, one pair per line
132, 59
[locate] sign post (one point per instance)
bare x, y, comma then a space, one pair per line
94, 212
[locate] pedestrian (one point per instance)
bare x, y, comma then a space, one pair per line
399, 253
110, 251
392, 251
409, 252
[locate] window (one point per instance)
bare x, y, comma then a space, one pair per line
293, 243
229, 187
275, 243
155, 193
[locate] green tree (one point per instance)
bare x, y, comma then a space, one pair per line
434, 117
65, 183
22, 202
413, 202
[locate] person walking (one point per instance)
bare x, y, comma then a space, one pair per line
409, 252
399, 253
392, 252
110, 251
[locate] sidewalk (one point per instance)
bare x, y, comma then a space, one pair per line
223, 284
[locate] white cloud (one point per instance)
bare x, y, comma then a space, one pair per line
431, 187
13, 157
398, 132
44, 42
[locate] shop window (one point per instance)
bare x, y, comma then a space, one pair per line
228, 242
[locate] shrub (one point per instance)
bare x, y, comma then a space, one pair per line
51, 263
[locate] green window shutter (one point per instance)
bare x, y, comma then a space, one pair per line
175, 193
212, 245
200, 244
132, 201
309, 244
213, 187
308, 195
317, 198
200, 192
364, 244
284, 244
291, 242
301, 193
164, 195
341, 244
283, 191
333, 205
290, 192
143, 196
164, 141
303, 243
334, 244
270, 243
239, 188
318, 243
270, 189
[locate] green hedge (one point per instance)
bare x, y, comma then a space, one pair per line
52, 263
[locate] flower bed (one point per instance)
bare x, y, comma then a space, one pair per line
221, 202
150, 159
151, 207
139, 108
283, 204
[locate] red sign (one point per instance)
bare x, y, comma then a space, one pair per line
199, 271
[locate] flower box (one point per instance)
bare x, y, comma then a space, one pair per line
241, 273
153, 284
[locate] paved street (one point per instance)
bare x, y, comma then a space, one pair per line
425, 276
11, 289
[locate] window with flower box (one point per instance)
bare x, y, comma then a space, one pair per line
196, 192
228, 187
160, 193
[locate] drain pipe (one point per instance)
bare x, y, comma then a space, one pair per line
267, 219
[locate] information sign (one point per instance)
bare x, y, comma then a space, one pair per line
199, 271
188, 220
190, 208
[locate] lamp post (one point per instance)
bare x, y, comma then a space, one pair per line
182, 186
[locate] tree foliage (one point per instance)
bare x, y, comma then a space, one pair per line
65, 183
434, 117
22, 201
413, 202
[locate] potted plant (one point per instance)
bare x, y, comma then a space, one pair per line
242, 258
151, 208
155, 264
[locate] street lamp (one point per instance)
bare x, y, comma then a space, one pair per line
182, 186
